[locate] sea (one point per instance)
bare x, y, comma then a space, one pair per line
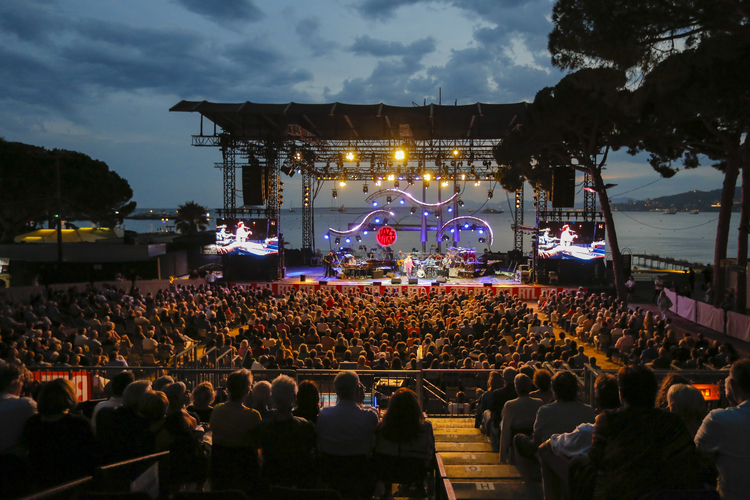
681, 236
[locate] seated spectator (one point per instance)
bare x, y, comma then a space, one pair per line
14, 410
61, 445
262, 399
118, 385
288, 443
460, 407
345, 434
543, 382
308, 401
518, 415
234, 452
203, 397
404, 443
724, 435
687, 402
640, 449
122, 432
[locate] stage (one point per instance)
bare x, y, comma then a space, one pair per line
312, 279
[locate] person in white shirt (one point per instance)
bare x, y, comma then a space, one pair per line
725, 435
118, 385
14, 410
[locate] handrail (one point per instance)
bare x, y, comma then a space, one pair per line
132, 461
435, 388
207, 352
188, 351
443, 475
59, 489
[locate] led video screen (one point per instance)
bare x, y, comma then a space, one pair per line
571, 240
246, 237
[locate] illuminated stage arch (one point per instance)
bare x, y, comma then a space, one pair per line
467, 218
403, 194
364, 221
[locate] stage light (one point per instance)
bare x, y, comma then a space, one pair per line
427, 177
377, 221
335, 194
400, 155
466, 226
391, 177
378, 182
326, 236
395, 184
481, 231
374, 203
413, 210
342, 183
450, 209
456, 152
365, 232
481, 240
463, 177
460, 203
337, 241
489, 194
365, 189
349, 156
348, 240
445, 183
426, 213
359, 239
453, 230
445, 237
401, 201
388, 199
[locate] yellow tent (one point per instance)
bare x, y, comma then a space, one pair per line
82, 235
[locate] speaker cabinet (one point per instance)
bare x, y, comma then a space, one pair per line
254, 185
442, 279
321, 282
395, 281
377, 274
564, 188
413, 281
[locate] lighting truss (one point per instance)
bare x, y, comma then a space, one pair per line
465, 218
364, 221
403, 194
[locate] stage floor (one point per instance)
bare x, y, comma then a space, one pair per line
316, 274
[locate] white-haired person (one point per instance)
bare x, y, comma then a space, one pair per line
288, 444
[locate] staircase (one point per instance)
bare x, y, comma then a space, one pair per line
473, 470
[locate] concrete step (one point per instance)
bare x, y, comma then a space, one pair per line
457, 430
476, 446
498, 490
488, 472
470, 458
460, 438
440, 423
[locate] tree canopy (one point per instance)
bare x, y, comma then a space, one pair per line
89, 190
191, 218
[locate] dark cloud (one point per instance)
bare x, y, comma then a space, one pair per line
29, 21
365, 45
308, 30
382, 9
225, 11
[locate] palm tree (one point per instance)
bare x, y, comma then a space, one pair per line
191, 218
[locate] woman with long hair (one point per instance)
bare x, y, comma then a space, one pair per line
404, 443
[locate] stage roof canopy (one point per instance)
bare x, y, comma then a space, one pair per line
368, 122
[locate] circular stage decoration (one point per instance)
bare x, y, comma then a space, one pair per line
386, 236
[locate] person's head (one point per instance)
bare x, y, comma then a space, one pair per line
687, 402
509, 375
238, 384
565, 386
56, 397
637, 386
543, 380
738, 381
120, 382
153, 405
133, 392
284, 393
177, 395
347, 385
161, 382
403, 419
262, 394
203, 395
607, 391
523, 384
10, 380
669, 380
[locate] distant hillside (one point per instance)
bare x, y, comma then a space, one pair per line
705, 201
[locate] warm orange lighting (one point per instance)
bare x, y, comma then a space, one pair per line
350, 156
400, 155
710, 392
427, 177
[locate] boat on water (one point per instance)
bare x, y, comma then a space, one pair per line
696, 211
493, 211
342, 209
670, 211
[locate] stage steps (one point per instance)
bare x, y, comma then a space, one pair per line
473, 469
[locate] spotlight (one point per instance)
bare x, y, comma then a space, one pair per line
388, 199
481, 240
456, 152
337, 240
342, 183
374, 203
453, 230
378, 182
377, 221
463, 177
466, 226
395, 184
335, 194
481, 231
426, 213
445, 237
445, 184
349, 156
489, 194
400, 155
413, 210
391, 177
365, 232
365, 189
427, 177
359, 239
460, 203
326, 236
450, 209
401, 201
348, 240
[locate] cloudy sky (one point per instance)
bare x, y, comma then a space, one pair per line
99, 76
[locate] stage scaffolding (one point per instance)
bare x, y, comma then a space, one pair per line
342, 142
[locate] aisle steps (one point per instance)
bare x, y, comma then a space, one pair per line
473, 469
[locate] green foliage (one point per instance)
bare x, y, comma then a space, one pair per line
28, 188
191, 218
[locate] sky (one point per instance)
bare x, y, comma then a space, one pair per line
99, 76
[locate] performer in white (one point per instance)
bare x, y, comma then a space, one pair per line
242, 232
567, 236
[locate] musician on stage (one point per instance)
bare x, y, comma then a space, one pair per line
446, 265
430, 262
408, 265
328, 263
567, 236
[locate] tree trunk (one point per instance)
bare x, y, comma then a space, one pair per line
722, 230
742, 242
622, 292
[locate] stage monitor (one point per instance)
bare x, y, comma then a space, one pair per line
582, 241
246, 237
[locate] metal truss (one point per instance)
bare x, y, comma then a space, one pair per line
308, 217
518, 221
589, 200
